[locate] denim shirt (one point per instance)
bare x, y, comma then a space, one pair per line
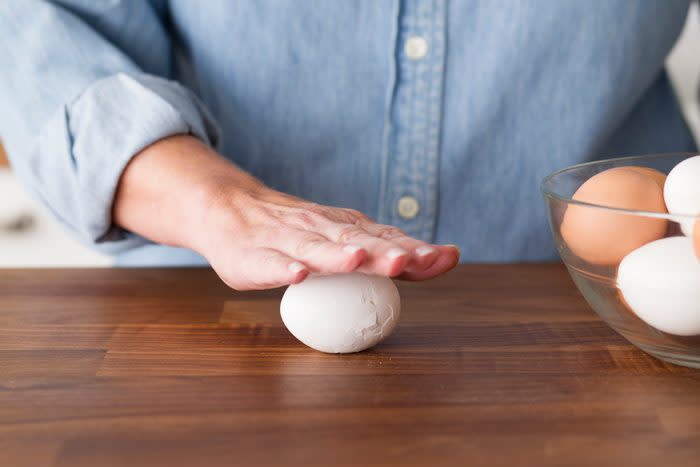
439, 117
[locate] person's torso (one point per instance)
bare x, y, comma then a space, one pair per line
440, 117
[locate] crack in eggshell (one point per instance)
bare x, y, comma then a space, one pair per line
389, 320
350, 323
371, 329
376, 329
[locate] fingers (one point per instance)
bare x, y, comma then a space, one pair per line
422, 254
265, 268
384, 257
448, 257
262, 268
319, 253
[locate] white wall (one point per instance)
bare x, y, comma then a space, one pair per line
47, 245
44, 244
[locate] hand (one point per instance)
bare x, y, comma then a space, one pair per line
255, 237
259, 238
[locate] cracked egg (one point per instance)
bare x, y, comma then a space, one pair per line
342, 313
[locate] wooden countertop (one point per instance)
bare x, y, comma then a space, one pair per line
491, 365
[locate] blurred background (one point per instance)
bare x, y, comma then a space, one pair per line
30, 238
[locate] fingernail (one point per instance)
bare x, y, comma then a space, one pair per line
351, 249
456, 248
296, 267
396, 253
425, 250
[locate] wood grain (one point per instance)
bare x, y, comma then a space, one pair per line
490, 365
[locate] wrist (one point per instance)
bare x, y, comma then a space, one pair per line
216, 194
167, 191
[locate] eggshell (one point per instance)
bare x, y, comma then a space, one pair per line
341, 313
602, 236
657, 176
682, 191
660, 282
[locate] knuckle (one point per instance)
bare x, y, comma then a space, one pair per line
346, 215
308, 244
306, 220
348, 233
388, 232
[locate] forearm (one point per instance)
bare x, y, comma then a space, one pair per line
168, 188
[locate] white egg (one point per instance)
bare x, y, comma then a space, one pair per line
341, 313
661, 283
682, 191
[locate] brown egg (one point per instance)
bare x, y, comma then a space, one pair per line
602, 236
658, 177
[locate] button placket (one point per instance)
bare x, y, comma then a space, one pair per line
410, 186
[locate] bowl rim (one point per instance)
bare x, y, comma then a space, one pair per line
569, 200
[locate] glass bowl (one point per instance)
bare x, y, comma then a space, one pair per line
600, 284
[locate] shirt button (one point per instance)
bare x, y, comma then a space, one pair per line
416, 47
408, 207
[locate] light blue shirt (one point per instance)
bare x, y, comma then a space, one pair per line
440, 117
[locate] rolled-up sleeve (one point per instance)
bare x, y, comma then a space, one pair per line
78, 105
